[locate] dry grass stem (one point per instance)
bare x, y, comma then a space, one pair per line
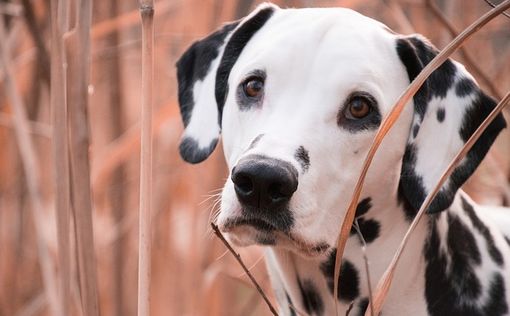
77, 44
390, 120
367, 265
238, 258
60, 154
145, 231
32, 173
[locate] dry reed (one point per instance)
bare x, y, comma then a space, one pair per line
145, 230
77, 45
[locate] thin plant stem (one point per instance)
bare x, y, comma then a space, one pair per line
145, 230
238, 258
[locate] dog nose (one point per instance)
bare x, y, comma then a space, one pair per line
264, 183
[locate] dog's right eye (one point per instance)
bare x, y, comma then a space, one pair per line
253, 87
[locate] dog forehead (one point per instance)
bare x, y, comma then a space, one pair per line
319, 30
337, 46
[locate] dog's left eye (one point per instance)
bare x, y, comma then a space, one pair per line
253, 87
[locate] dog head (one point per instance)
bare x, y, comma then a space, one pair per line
298, 95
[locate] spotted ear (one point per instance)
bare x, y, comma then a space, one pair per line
202, 77
448, 108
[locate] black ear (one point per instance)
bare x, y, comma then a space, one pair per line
196, 73
448, 108
202, 76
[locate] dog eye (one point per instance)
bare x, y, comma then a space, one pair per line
253, 87
358, 107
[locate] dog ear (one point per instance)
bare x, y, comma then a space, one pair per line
202, 76
448, 108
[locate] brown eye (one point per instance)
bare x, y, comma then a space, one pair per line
253, 87
358, 108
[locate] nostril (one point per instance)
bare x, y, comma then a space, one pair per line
244, 184
277, 192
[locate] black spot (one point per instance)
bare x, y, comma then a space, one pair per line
312, 301
291, 305
363, 206
320, 247
465, 87
497, 304
411, 187
416, 129
484, 230
266, 240
195, 64
440, 114
409, 210
255, 141
191, 152
462, 245
362, 305
348, 287
303, 158
452, 289
369, 229
233, 50
507, 240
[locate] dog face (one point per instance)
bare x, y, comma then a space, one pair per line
299, 96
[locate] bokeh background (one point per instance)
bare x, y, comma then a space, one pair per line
191, 272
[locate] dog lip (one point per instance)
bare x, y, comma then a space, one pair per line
257, 223
279, 237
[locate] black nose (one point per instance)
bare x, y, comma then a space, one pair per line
264, 183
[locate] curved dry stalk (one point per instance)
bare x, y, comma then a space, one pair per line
385, 282
390, 120
238, 258
144, 241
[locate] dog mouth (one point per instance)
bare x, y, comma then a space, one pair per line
259, 224
244, 232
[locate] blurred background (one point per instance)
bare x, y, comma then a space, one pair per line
191, 272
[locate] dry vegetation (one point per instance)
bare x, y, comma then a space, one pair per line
191, 275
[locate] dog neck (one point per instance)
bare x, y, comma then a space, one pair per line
307, 284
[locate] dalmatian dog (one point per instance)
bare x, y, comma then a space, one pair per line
298, 95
